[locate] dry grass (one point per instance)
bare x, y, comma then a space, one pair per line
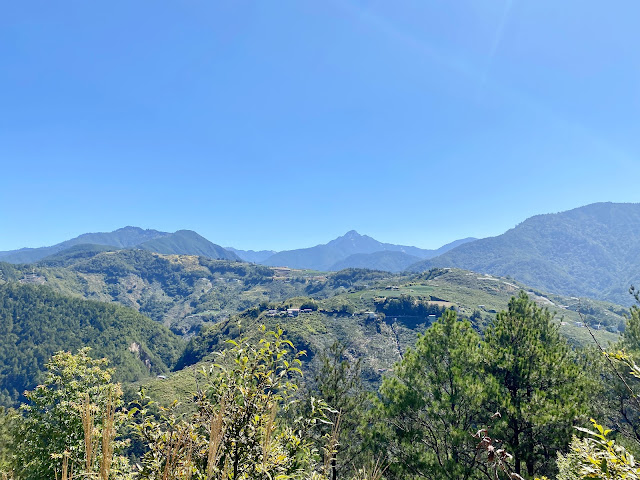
108, 437
269, 427
216, 435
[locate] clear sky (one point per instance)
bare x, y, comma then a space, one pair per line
282, 124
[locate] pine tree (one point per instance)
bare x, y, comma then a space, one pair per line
429, 409
541, 391
339, 384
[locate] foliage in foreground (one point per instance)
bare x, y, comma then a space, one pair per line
245, 424
249, 420
71, 421
522, 377
239, 430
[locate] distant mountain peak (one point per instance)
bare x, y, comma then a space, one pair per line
350, 235
325, 256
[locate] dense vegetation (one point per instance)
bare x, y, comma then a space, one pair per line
588, 251
179, 291
35, 322
253, 416
398, 372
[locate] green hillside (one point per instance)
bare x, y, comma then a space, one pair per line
35, 322
187, 242
589, 251
181, 292
376, 313
378, 318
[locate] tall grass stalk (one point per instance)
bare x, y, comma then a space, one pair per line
89, 432
108, 437
269, 427
216, 435
67, 473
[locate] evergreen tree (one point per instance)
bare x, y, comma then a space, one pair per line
8, 423
541, 392
429, 409
339, 384
623, 406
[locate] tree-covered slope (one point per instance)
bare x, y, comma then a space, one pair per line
74, 254
589, 251
179, 291
35, 322
378, 316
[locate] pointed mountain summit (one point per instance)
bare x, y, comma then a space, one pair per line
332, 255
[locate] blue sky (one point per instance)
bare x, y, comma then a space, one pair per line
284, 124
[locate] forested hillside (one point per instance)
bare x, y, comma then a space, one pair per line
378, 319
589, 251
502, 405
179, 291
35, 322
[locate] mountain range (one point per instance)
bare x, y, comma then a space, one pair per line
355, 250
588, 251
182, 242
252, 255
349, 250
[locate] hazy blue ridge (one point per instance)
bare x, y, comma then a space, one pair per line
588, 251
252, 256
325, 256
122, 238
387, 261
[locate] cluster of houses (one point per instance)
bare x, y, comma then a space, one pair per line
582, 325
294, 312
289, 312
